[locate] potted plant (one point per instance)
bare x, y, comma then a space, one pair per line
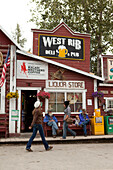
99, 95
12, 95
43, 95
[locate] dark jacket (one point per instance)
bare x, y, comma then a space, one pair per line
37, 116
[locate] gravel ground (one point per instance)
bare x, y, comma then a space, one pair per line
62, 157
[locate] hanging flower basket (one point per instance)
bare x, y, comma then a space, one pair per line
98, 94
12, 95
43, 95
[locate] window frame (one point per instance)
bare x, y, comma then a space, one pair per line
65, 96
106, 101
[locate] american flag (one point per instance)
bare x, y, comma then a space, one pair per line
6, 63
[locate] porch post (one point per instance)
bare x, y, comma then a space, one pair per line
12, 101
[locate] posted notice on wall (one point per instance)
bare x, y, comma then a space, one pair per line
32, 70
15, 115
89, 102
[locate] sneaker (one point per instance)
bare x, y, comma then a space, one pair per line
85, 135
58, 131
62, 138
54, 136
50, 147
29, 150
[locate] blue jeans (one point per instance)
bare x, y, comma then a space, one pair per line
54, 127
37, 127
84, 126
65, 129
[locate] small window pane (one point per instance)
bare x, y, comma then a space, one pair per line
56, 102
60, 102
75, 101
52, 98
70, 97
60, 108
52, 101
110, 103
78, 107
53, 106
78, 96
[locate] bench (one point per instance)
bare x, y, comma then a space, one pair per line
4, 125
59, 117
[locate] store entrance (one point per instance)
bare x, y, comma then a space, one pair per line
28, 99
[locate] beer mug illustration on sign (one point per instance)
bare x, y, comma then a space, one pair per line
62, 51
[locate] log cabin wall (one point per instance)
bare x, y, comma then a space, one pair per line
68, 75
5, 43
107, 86
29, 82
73, 76
3, 50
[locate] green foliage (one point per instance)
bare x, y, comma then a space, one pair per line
17, 35
85, 16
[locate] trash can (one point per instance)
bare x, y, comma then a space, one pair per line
108, 125
97, 125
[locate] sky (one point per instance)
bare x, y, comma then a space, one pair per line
17, 11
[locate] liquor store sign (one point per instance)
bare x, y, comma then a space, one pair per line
61, 47
56, 84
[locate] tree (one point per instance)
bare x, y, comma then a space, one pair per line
18, 36
86, 16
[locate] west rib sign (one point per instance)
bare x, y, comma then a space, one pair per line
61, 47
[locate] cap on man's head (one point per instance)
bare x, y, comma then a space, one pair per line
83, 110
37, 104
50, 108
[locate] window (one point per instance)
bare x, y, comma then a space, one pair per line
110, 103
75, 101
56, 101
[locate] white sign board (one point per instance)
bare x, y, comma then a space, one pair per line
56, 84
32, 70
89, 102
14, 115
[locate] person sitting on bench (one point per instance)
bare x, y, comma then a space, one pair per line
77, 120
51, 120
84, 120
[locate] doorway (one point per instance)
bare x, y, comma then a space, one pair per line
27, 105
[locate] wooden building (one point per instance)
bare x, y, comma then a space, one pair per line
107, 85
60, 64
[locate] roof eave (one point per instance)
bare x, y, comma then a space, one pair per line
58, 26
14, 42
60, 65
